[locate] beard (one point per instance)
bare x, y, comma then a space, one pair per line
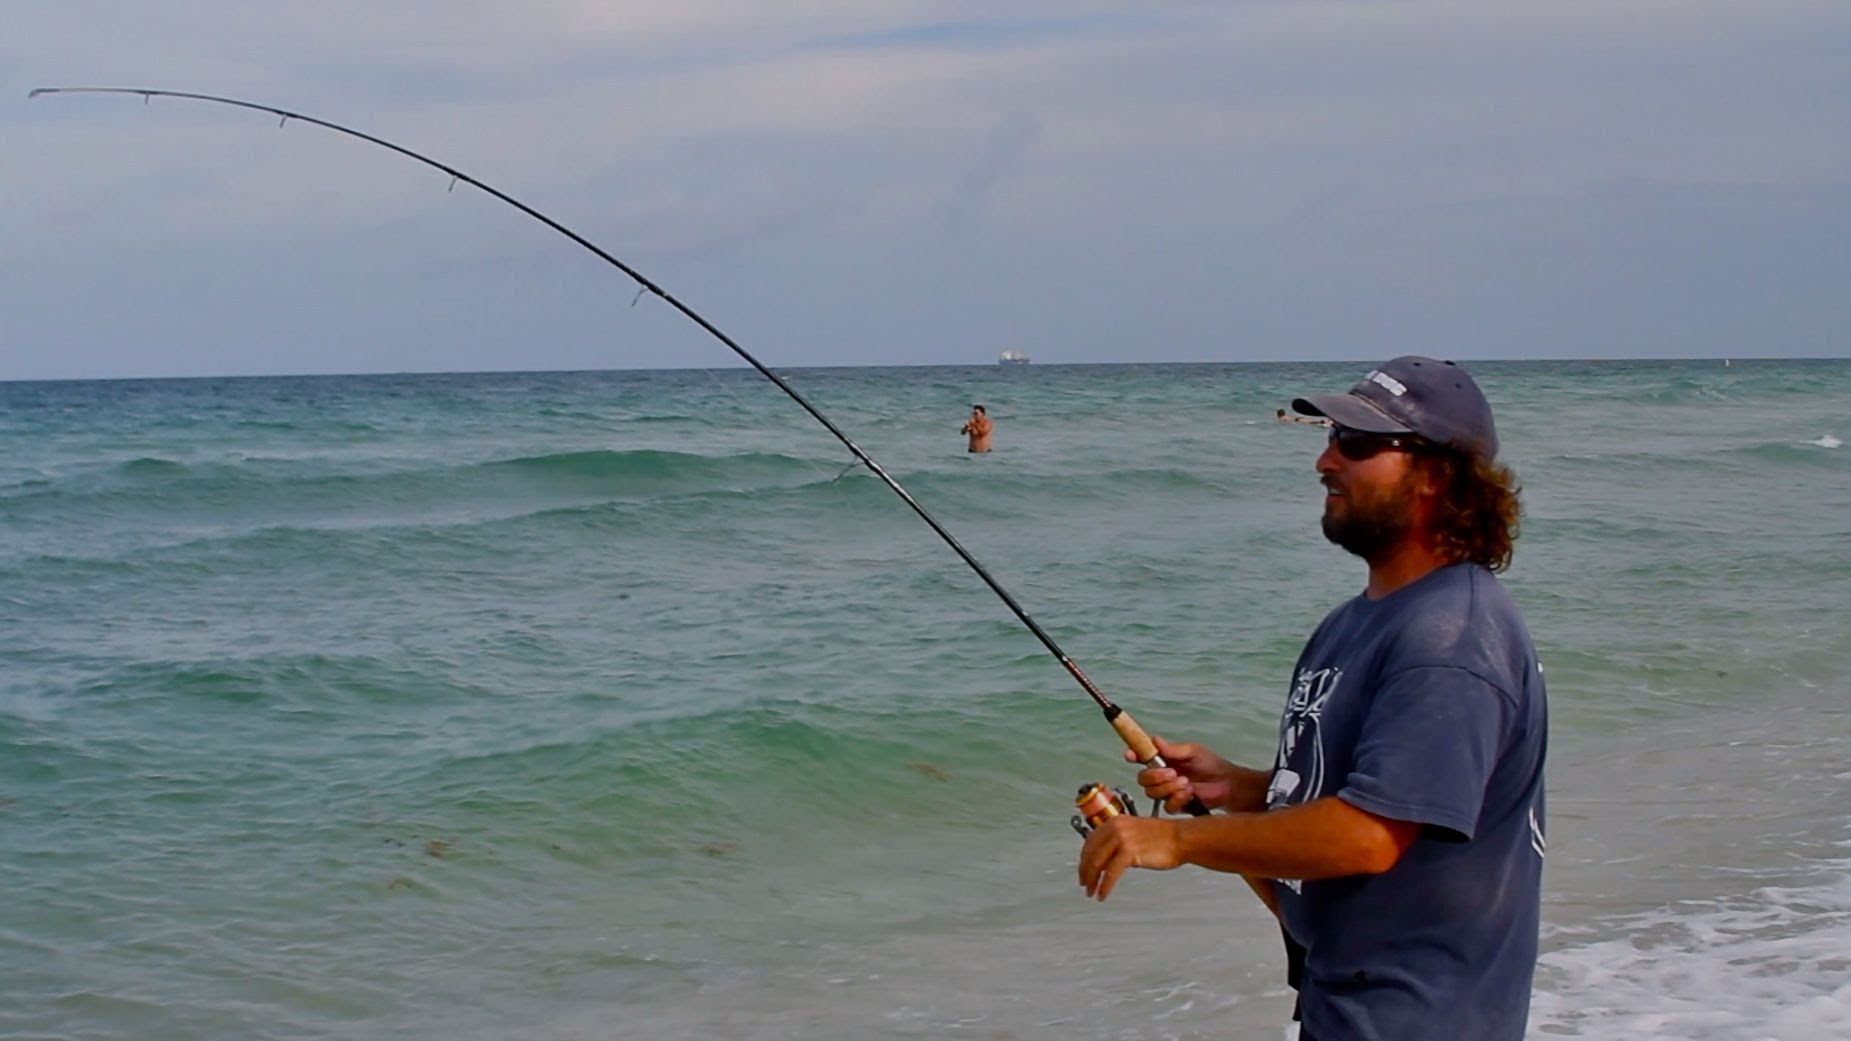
1370, 525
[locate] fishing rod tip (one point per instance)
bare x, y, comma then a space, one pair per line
36, 91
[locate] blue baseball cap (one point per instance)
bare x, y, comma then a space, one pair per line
1429, 398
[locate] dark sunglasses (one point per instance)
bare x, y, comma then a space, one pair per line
1358, 445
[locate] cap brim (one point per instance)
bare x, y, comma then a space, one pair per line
1348, 410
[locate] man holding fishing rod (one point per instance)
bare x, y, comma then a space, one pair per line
1403, 815
1402, 820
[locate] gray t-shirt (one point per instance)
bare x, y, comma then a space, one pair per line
1424, 706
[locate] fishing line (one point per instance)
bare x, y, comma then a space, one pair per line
1128, 730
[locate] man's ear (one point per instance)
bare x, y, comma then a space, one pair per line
1427, 482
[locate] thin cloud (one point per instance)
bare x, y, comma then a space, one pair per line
1281, 177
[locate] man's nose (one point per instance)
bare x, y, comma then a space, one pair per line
1329, 462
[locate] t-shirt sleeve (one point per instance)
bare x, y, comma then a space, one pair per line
1427, 749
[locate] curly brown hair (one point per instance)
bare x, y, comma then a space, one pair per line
1477, 512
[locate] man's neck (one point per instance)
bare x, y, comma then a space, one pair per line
1403, 566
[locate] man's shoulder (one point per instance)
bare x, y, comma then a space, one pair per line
1463, 587
1464, 618
1445, 602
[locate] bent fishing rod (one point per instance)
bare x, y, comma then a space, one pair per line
1128, 730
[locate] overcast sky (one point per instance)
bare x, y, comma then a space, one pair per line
912, 182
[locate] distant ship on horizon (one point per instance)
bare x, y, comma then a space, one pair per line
1012, 358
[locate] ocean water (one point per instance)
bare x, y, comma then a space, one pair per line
623, 705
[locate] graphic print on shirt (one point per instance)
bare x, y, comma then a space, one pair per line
1298, 770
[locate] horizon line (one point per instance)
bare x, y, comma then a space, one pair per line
1725, 359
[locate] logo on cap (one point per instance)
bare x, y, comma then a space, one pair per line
1387, 382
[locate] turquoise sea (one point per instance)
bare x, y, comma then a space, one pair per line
624, 705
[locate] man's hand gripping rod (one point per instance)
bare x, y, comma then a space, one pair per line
1128, 730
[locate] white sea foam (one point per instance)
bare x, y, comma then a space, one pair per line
1827, 441
1773, 964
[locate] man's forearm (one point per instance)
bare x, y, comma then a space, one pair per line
1327, 838
1246, 789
